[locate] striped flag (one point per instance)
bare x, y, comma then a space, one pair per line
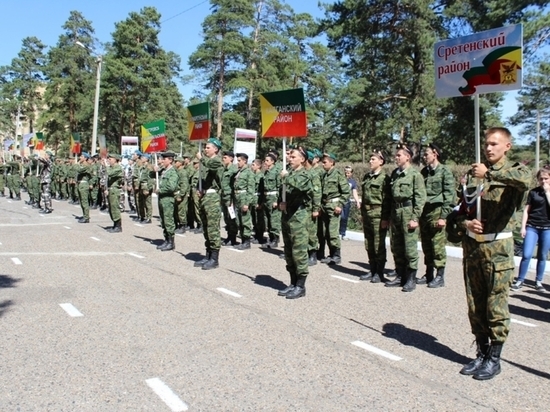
75, 143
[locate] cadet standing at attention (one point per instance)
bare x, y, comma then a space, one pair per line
166, 192
272, 184
146, 184
488, 250
229, 171
294, 221
83, 177
115, 176
408, 195
375, 211
182, 196
46, 180
314, 207
335, 193
258, 216
211, 169
244, 187
440, 197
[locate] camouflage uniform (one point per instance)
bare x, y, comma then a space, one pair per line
407, 198
244, 186
226, 191
335, 192
314, 205
375, 208
272, 185
14, 179
489, 264
440, 196
145, 191
182, 198
195, 204
2, 178
136, 171
294, 221
115, 175
45, 183
83, 177
257, 212
32, 172
73, 188
210, 213
168, 186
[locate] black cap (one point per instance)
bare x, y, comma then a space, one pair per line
168, 154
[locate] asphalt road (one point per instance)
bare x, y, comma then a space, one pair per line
93, 321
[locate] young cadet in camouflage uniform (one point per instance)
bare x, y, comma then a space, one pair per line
257, 212
98, 168
314, 207
32, 171
375, 211
181, 196
45, 181
166, 192
195, 195
244, 194
62, 176
211, 170
488, 250
407, 196
272, 184
146, 184
73, 184
335, 194
229, 172
440, 198
294, 221
115, 176
14, 178
83, 177
135, 183
2, 177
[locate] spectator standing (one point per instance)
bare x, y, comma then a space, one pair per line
348, 172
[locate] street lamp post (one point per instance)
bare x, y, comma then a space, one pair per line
96, 99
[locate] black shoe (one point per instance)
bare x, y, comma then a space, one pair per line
392, 273
36, 206
201, 262
326, 260
146, 221
491, 364
312, 261
376, 278
230, 241
410, 285
243, 246
286, 290
421, 281
180, 230
439, 280
162, 244
394, 283
169, 245
94, 207
46, 211
115, 229
213, 262
296, 292
197, 230
482, 350
367, 276
83, 220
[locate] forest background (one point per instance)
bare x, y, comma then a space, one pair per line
366, 67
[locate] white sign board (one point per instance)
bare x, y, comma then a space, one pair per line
128, 145
245, 142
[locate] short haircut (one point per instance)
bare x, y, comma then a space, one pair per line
544, 170
497, 129
258, 161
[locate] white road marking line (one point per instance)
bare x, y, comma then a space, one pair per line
138, 225
233, 249
77, 206
177, 234
70, 254
94, 238
136, 255
71, 310
167, 395
25, 207
346, 279
229, 292
375, 350
0, 243
9, 201
67, 227
31, 224
16, 261
519, 322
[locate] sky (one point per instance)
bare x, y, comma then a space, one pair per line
180, 28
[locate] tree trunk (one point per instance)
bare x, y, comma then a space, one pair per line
221, 85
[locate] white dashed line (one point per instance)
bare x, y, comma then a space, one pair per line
138, 225
16, 261
167, 395
71, 310
375, 350
94, 238
9, 201
233, 249
229, 292
67, 227
25, 207
346, 279
77, 206
519, 322
177, 234
136, 255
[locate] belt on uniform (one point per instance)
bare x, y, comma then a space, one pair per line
240, 191
257, 194
80, 181
372, 207
211, 191
489, 237
271, 193
336, 199
406, 203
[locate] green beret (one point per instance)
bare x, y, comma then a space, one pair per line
317, 153
310, 155
215, 142
179, 159
114, 156
187, 156
330, 156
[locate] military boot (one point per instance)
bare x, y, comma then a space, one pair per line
205, 259
299, 290
230, 240
427, 278
410, 285
370, 274
312, 261
286, 291
336, 257
213, 262
482, 350
17, 197
491, 363
117, 228
439, 280
169, 245
163, 244
398, 279
379, 276
244, 245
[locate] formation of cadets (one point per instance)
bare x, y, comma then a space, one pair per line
259, 202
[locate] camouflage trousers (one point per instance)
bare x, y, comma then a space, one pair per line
295, 236
14, 184
2, 183
46, 195
258, 222
231, 226
84, 197
313, 239
114, 210
166, 211
33, 188
330, 229
375, 237
180, 210
404, 241
145, 204
273, 217
244, 219
433, 239
488, 273
210, 215
195, 212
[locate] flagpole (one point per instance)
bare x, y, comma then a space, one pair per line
478, 153
284, 167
